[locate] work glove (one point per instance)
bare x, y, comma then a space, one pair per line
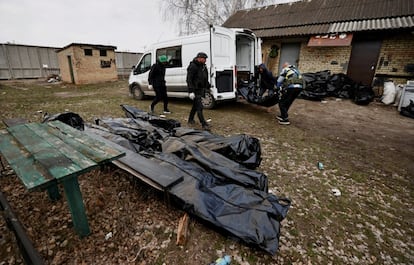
150, 87
191, 95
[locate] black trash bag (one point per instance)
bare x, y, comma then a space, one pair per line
219, 191
316, 95
249, 92
323, 75
167, 124
242, 148
347, 92
315, 85
223, 169
408, 110
338, 85
363, 94
69, 118
251, 215
142, 135
309, 78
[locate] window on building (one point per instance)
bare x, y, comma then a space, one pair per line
102, 52
88, 52
173, 56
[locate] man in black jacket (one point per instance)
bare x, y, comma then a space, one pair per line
156, 81
267, 80
197, 82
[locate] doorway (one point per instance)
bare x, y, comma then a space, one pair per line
72, 77
289, 53
363, 61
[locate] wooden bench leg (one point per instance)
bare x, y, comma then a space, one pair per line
76, 206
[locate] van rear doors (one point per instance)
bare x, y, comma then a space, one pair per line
222, 63
234, 54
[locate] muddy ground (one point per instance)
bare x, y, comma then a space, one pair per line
367, 153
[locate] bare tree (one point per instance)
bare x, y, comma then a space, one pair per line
194, 16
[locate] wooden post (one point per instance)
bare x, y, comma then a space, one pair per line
76, 206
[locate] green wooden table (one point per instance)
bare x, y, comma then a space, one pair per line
44, 155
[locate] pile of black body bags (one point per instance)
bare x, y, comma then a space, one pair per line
323, 84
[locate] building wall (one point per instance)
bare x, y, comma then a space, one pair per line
64, 65
335, 59
87, 69
311, 59
271, 63
396, 52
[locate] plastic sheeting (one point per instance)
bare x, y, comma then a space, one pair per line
322, 84
249, 92
408, 111
69, 118
215, 187
241, 148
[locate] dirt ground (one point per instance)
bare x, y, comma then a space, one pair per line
367, 153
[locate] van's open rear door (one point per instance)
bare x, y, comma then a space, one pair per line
222, 62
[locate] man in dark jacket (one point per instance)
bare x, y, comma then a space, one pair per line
156, 81
267, 80
197, 82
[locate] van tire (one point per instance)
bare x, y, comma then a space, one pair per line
137, 92
208, 101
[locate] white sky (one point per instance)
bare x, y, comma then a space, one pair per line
130, 25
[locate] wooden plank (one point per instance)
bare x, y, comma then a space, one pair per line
43, 153
23, 164
63, 148
182, 230
14, 121
96, 150
141, 167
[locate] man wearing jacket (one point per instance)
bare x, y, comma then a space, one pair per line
267, 80
290, 83
197, 82
156, 81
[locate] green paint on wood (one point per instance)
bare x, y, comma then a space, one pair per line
76, 206
45, 154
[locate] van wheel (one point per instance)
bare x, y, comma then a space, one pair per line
137, 92
208, 101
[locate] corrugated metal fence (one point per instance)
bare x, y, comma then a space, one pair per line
125, 61
25, 61
22, 61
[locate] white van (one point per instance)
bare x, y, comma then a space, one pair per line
232, 56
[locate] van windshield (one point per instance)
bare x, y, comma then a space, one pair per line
145, 64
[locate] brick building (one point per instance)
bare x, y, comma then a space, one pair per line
369, 40
87, 63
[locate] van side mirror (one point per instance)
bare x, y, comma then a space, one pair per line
135, 70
